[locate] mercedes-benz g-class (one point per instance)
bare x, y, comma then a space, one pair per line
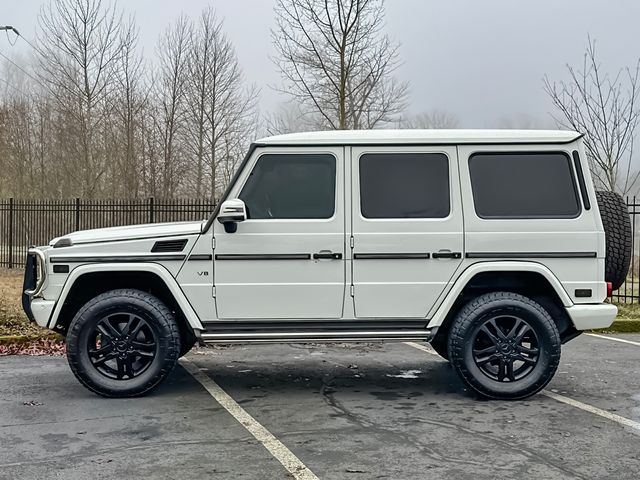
492, 245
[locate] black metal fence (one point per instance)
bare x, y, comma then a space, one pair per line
35, 222
630, 291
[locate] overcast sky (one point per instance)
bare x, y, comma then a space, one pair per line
481, 60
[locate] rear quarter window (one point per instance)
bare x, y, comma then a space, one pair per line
523, 185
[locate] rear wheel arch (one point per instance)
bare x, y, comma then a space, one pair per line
89, 283
529, 283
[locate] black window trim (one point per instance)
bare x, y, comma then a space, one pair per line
393, 149
323, 145
528, 217
583, 187
278, 151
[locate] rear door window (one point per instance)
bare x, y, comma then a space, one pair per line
404, 185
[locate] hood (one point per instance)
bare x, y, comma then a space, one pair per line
133, 232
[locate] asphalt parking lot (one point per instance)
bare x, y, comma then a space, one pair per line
332, 412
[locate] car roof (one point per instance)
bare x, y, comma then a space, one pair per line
414, 136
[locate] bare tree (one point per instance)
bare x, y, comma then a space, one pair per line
218, 102
430, 120
233, 147
170, 90
288, 118
130, 100
604, 108
79, 46
87, 120
27, 164
336, 62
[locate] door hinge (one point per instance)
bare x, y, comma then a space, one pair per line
213, 242
351, 242
352, 290
213, 292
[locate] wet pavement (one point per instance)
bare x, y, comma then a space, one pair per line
345, 411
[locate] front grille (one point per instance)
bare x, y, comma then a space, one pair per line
29, 283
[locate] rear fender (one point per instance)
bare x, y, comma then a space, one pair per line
465, 277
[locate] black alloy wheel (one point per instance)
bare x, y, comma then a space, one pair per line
505, 348
122, 346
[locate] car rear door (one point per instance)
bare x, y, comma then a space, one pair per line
406, 228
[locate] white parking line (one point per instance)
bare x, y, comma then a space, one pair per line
275, 447
425, 348
596, 411
613, 339
561, 398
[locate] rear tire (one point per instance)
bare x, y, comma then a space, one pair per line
504, 346
123, 343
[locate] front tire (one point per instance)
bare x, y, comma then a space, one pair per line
123, 343
504, 346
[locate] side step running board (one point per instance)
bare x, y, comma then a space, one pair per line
317, 336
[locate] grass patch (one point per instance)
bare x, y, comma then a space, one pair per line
13, 321
622, 326
17, 333
628, 311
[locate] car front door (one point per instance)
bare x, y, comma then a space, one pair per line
406, 228
287, 260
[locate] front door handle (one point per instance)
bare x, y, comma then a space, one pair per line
327, 255
446, 254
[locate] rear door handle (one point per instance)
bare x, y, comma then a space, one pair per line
446, 254
327, 255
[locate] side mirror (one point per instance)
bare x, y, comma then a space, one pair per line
232, 212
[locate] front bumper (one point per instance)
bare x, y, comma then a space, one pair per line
41, 310
587, 317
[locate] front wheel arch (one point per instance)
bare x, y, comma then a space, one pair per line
91, 283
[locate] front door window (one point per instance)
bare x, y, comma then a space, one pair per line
291, 186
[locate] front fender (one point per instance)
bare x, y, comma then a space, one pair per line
154, 268
463, 279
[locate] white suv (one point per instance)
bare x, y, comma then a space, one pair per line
488, 244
